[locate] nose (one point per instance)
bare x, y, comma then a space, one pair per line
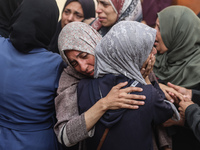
70, 18
98, 9
83, 66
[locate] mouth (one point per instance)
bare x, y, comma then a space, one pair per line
90, 73
155, 44
101, 18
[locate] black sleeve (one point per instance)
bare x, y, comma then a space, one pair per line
192, 115
196, 96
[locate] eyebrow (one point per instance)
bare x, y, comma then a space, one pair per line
76, 57
76, 12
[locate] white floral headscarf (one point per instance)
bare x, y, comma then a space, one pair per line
129, 10
78, 36
124, 49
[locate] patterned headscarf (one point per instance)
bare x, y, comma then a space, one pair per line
124, 49
180, 31
78, 36
129, 10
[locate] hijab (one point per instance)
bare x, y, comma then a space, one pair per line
124, 49
78, 36
89, 12
7, 8
126, 10
33, 24
180, 31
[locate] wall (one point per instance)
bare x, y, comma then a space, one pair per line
192, 4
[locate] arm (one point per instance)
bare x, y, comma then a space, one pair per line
191, 112
72, 127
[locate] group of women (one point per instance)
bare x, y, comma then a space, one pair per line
104, 98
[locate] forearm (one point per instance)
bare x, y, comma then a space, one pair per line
94, 114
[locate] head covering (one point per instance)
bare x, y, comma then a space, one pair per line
33, 24
126, 10
78, 36
124, 49
150, 8
180, 31
87, 6
89, 12
7, 8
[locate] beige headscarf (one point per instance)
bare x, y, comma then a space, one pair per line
78, 36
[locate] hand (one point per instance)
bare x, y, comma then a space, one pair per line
184, 104
171, 122
147, 67
171, 94
182, 90
120, 98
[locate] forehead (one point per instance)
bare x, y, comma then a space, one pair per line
76, 6
71, 53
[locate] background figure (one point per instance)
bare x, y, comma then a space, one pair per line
150, 8
73, 10
188, 108
29, 78
112, 11
7, 8
177, 61
118, 58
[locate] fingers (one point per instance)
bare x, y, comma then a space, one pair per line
120, 85
168, 97
173, 86
131, 89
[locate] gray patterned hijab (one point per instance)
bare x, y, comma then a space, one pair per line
124, 49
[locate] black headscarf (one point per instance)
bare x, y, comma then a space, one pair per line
7, 8
33, 24
89, 12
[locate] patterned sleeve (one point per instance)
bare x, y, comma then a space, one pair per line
70, 127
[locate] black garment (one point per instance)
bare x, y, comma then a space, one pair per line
192, 115
33, 24
129, 129
7, 8
89, 12
196, 96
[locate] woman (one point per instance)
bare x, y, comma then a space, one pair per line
29, 78
7, 8
74, 10
118, 58
71, 127
112, 11
177, 42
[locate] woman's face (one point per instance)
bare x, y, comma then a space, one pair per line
159, 44
72, 12
81, 61
106, 13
